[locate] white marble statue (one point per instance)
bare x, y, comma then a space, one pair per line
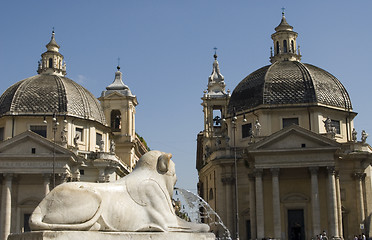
139, 202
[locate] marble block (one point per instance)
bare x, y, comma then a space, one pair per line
95, 235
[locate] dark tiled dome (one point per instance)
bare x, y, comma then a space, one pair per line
44, 94
289, 82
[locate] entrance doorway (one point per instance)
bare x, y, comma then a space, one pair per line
296, 224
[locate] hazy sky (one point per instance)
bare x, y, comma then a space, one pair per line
166, 53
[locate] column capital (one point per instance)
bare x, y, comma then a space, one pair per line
47, 176
275, 171
8, 176
331, 170
251, 176
359, 175
314, 170
258, 172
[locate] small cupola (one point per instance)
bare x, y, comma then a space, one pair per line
117, 86
216, 83
52, 61
285, 46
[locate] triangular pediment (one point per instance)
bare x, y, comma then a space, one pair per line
24, 143
115, 94
294, 137
294, 147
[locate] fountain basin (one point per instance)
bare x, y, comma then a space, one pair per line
95, 235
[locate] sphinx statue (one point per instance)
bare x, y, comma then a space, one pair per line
139, 202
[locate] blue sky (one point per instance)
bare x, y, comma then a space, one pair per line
166, 53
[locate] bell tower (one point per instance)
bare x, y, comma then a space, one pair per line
285, 46
215, 101
119, 107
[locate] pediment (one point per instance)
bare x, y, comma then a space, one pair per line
294, 137
23, 144
115, 95
295, 198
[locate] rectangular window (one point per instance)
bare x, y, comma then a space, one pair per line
98, 139
79, 134
41, 130
336, 125
289, 121
247, 130
2, 134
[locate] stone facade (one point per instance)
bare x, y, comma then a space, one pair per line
299, 169
52, 130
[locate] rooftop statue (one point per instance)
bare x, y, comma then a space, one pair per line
139, 202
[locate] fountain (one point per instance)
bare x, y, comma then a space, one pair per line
198, 210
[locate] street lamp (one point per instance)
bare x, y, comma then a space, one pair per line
54, 128
236, 177
55, 125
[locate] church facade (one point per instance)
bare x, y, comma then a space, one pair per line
53, 130
279, 156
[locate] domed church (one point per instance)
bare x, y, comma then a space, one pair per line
279, 156
53, 130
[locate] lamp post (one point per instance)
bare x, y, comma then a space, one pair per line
55, 124
236, 178
54, 128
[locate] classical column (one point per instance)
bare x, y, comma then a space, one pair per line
259, 204
339, 209
332, 203
252, 206
46, 183
276, 203
360, 199
315, 200
6, 206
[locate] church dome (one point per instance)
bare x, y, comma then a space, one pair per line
45, 94
289, 82
50, 91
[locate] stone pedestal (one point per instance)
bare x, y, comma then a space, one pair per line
92, 235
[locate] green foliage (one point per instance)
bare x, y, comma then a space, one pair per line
143, 141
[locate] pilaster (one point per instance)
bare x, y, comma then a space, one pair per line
228, 181
315, 200
259, 204
252, 206
359, 176
276, 203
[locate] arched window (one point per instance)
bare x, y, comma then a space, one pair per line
115, 120
285, 46
50, 63
277, 47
